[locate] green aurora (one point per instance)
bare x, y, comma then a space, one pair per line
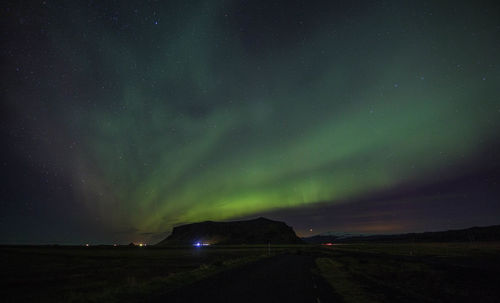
211, 111
274, 132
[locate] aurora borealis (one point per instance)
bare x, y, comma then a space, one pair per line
123, 119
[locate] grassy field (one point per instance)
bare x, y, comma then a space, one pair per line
424, 272
97, 274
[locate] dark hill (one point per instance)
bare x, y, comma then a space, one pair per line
488, 233
257, 231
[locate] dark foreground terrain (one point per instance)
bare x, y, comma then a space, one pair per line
423, 272
282, 278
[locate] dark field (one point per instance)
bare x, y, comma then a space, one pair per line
96, 274
424, 272
451, 272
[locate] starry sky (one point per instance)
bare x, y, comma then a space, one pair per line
122, 119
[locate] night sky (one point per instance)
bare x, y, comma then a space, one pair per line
122, 119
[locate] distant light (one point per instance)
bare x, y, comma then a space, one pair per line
198, 244
310, 229
114, 245
87, 244
140, 244
327, 244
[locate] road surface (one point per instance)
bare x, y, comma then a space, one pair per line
283, 278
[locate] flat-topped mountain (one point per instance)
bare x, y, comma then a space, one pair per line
256, 231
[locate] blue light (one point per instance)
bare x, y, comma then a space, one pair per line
199, 244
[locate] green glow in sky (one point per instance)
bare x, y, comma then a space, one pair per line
194, 118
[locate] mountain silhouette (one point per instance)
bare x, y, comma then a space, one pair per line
256, 231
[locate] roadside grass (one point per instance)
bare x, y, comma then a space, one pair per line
135, 291
427, 272
453, 249
342, 281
